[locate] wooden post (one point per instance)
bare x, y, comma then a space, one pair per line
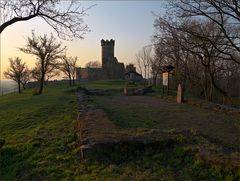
168, 84
179, 94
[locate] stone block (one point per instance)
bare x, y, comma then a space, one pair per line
179, 94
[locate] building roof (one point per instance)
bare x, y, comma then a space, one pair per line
131, 71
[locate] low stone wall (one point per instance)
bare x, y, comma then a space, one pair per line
96, 132
215, 107
97, 135
130, 91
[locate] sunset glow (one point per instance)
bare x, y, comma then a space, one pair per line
129, 23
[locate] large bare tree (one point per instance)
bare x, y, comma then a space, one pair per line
17, 71
200, 38
186, 40
65, 17
48, 53
68, 67
224, 14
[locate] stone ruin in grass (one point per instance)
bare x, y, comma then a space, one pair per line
131, 88
99, 138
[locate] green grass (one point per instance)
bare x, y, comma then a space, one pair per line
131, 112
113, 85
40, 143
40, 140
154, 112
39, 134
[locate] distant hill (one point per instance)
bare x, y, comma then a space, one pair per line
7, 86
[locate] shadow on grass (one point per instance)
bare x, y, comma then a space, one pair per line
178, 158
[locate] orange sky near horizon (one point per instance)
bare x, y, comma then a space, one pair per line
87, 49
130, 30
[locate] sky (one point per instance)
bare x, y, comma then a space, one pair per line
129, 23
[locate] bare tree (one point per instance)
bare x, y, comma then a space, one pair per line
17, 71
161, 57
68, 67
93, 64
36, 73
51, 73
74, 69
185, 44
78, 73
26, 78
144, 59
201, 40
66, 18
47, 51
224, 14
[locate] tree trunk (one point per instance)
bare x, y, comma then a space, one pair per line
19, 87
145, 72
70, 81
24, 86
155, 80
224, 93
73, 80
41, 85
155, 75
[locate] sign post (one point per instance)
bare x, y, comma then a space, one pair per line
165, 77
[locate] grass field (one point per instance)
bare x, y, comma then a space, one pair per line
152, 112
112, 85
39, 134
40, 139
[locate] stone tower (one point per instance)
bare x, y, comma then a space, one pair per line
107, 52
110, 66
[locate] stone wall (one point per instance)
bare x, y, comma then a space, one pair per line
114, 71
90, 74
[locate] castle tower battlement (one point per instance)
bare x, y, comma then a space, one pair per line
107, 50
107, 42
